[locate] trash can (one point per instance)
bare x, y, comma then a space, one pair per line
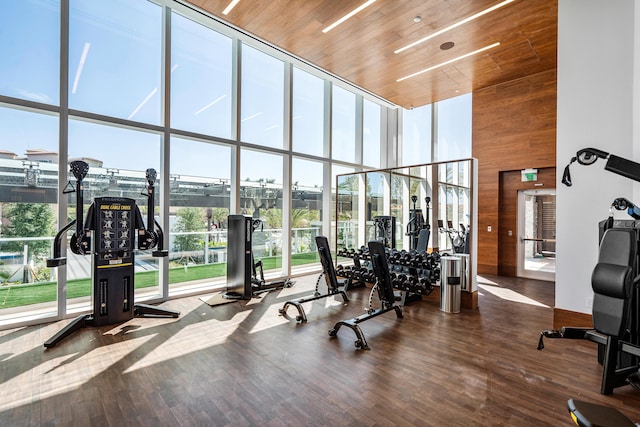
451, 275
464, 269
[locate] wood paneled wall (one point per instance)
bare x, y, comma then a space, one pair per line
509, 184
514, 128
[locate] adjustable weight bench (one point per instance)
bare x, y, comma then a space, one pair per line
384, 288
334, 284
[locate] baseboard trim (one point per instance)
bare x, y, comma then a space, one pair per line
571, 318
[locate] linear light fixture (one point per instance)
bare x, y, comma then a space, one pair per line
457, 24
230, 6
348, 15
466, 55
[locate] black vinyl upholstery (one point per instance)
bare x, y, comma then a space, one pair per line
381, 270
612, 281
423, 240
327, 264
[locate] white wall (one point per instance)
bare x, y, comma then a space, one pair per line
598, 106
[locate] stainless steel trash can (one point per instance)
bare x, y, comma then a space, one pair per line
451, 275
465, 280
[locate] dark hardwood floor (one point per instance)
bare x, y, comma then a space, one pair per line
242, 364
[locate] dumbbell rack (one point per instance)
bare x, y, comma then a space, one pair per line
411, 271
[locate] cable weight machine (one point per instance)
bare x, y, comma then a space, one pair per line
245, 277
418, 229
108, 234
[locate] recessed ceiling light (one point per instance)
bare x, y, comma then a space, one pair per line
348, 15
457, 24
447, 45
449, 61
417, 19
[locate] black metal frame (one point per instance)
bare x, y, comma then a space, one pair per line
245, 276
384, 288
102, 278
329, 273
619, 345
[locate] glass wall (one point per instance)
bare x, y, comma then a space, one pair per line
118, 159
261, 198
416, 136
201, 78
262, 118
199, 194
115, 57
343, 125
307, 120
453, 124
306, 213
448, 121
30, 50
209, 110
371, 133
28, 210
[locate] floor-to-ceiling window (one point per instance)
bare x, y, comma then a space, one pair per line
199, 194
261, 193
262, 116
118, 159
306, 213
28, 208
453, 128
225, 121
343, 125
416, 136
30, 49
201, 78
115, 58
371, 133
307, 121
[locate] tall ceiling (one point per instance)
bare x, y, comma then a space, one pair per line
361, 50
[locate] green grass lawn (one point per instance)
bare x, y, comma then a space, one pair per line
19, 295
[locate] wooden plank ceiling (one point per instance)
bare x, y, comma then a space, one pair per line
361, 50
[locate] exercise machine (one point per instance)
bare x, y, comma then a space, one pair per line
109, 234
615, 305
418, 229
384, 289
615, 330
457, 238
618, 165
385, 230
615, 280
335, 286
586, 414
245, 277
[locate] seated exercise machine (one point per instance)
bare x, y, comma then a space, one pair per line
335, 286
385, 230
418, 229
615, 279
245, 277
109, 234
384, 289
457, 238
587, 414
